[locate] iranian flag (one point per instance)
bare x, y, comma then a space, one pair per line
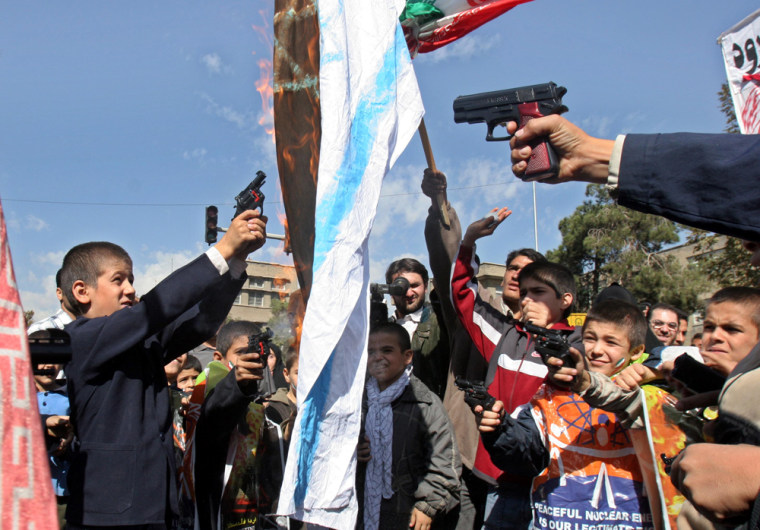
430, 24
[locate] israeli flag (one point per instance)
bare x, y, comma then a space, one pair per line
371, 107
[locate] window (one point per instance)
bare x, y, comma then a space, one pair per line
256, 299
255, 282
238, 299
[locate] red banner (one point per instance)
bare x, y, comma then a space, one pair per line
27, 493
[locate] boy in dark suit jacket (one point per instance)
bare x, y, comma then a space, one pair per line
123, 469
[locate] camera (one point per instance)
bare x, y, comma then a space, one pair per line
378, 311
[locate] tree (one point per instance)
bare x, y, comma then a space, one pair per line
280, 324
29, 317
602, 243
727, 107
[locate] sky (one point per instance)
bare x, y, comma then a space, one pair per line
121, 121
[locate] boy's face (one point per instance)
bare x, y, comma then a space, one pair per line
608, 348
237, 348
386, 362
728, 335
186, 379
291, 376
113, 290
47, 381
540, 303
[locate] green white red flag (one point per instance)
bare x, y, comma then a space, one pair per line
430, 24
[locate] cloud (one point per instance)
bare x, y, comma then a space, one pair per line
158, 266
462, 49
242, 120
199, 153
214, 64
401, 204
35, 223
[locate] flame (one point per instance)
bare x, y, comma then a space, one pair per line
296, 311
264, 88
286, 247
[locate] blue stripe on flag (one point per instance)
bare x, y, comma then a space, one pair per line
349, 176
338, 205
311, 415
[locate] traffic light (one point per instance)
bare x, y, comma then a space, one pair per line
212, 215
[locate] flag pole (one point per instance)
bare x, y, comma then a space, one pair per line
440, 198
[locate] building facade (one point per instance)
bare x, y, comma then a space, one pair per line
266, 283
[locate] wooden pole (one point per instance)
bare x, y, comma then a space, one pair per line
440, 198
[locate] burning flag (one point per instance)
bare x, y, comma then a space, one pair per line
27, 499
371, 107
430, 24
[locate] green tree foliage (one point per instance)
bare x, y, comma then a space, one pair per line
603, 243
280, 325
723, 259
727, 107
29, 317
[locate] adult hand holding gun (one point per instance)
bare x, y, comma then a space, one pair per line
581, 157
485, 226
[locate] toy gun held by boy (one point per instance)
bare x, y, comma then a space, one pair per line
475, 393
251, 197
261, 343
551, 343
520, 105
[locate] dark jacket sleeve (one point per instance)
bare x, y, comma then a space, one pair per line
708, 181
516, 446
104, 339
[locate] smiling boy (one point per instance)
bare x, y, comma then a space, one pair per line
412, 474
582, 459
123, 468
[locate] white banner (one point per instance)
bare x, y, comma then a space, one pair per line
741, 52
371, 107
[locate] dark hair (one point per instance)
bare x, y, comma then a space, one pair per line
666, 307
192, 363
58, 278
556, 276
621, 314
396, 329
406, 265
533, 255
696, 336
85, 262
748, 297
291, 357
231, 331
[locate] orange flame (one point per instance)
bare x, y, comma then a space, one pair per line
264, 88
296, 311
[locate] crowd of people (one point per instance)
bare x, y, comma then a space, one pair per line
479, 411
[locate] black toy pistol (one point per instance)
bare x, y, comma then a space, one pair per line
520, 105
251, 197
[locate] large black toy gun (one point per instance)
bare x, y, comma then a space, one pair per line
261, 343
251, 197
475, 393
551, 343
520, 105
